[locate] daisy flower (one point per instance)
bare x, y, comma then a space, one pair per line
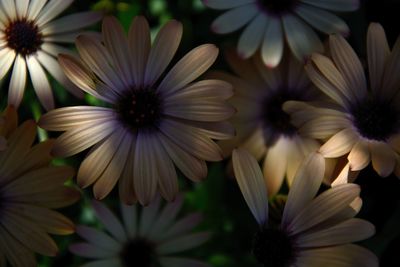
30, 188
150, 124
145, 240
265, 129
29, 34
268, 23
314, 231
364, 123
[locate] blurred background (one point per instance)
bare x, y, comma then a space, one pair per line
218, 198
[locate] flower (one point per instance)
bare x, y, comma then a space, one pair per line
30, 188
265, 129
152, 123
29, 36
142, 240
270, 22
364, 122
314, 231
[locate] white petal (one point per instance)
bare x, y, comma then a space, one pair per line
383, 158
91, 251
18, 82
139, 47
183, 243
359, 156
71, 22
181, 262
81, 138
110, 221
349, 66
301, 38
22, 8
252, 36
272, 47
149, 216
129, 216
378, 52
335, 5
34, 8
98, 238
51, 10
324, 207
40, 83
324, 21
117, 45
349, 231
274, 166
163, 50
114, 262
53, 67
339, 144
7, 57
234, 19
306, 184
226, 4
9, 8
146, 174
338, 256
251, 183
189, 68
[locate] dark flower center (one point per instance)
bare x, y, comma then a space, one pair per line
23, 36
140, 109
375, 119
274, 248
138, 252
274, 116
278, 6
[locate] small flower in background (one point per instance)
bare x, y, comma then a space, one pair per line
143, 240
314, 231
30, 187
29, 36
153, 123
268, 23
364, 121
262, 127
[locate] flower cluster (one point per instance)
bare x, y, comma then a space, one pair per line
311, 114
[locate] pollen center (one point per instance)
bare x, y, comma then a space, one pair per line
376, 120
138, 252
278, 6
140, 109
23, 36
274, 117
273, 247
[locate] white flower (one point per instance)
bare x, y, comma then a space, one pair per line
268, 23
314, 231
29, 34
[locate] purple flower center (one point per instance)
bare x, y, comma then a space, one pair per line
140, 109
376, 119
23, 36
277, 6
138, 252
274, 247
275, 119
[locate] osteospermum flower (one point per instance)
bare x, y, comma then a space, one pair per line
30, 187
149, 239
365, 120
268, 23
314, 231
262, 127
29, 34
152, 123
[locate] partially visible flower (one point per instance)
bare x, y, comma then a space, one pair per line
269, 23
262, 127
314, 231
29, 36
151, 124
364, 121
30, 188
146, 240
